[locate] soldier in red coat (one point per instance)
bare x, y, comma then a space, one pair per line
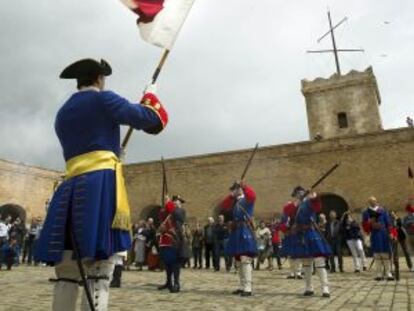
172, 218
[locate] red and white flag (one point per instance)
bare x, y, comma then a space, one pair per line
160, 20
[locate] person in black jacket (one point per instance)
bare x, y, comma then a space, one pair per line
334, 237
353, 237
209, 241
221, 234
402, 238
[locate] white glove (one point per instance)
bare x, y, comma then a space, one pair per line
151, 88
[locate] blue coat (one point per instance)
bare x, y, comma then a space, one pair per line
380, 241
304, 241
89, 121
242, 239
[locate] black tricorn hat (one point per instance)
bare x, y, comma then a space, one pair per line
234, 186
177, 197
86, 68
296, 190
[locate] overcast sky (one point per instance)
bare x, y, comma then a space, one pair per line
232, 79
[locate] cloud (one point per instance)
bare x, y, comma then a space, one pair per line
233, 78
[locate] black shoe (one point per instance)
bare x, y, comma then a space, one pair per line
165, 286
237, 292
390, 278
246, 294
115, 285
332, 271
326, 295
364, 269
309, 293
175, 289
299, 277
290, 277
378, 278
357, 271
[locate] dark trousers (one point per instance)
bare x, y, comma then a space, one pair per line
403, 244
336, 247
29, 249
172, 271
218, 250
208, 253
276, 254
198, 258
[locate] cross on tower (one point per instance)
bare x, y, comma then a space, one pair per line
335, 50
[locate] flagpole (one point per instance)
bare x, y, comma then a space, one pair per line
153, 80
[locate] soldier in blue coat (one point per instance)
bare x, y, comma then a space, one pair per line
89, 209
242, 243
304, 241
377, 223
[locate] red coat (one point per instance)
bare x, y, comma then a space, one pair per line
275, 235
249, 194
168, 226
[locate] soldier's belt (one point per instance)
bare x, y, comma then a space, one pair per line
299, 227
102, 160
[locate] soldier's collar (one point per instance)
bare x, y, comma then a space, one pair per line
89, 88
375, 208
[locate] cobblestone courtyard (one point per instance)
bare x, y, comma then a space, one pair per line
27, 288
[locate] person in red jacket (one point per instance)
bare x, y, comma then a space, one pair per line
172, 219
276, 241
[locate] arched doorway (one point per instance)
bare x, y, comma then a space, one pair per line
151, 211
14, 211
334, 202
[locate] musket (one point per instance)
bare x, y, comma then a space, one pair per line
164, 190
324, 176
320, 180
396, 261
371, 264
246, 168
164, 183
82, 273
243, 175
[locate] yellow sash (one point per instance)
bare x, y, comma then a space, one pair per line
101, 160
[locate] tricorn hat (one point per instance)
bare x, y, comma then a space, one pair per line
86, 68
177, 197
234, 186
296, 190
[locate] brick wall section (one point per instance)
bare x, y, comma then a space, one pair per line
27, 186
371, 164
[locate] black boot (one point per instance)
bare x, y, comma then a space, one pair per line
116, 277
168, 283
165, 286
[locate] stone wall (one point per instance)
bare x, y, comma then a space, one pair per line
371, 164
355, 94
26, 186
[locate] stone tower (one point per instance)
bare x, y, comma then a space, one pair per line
342, 105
